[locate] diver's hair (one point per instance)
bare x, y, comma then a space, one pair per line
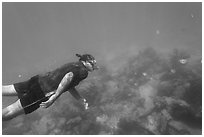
85, 57
78, 55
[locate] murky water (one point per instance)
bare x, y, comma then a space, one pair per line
38, 37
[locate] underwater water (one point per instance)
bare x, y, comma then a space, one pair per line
149, 54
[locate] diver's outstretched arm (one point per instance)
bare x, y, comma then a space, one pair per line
61, 89
76, 95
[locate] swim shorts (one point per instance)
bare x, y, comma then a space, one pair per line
30, 94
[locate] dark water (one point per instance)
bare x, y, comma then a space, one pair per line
37, 37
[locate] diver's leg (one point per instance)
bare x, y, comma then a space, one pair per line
9, 90
12, 111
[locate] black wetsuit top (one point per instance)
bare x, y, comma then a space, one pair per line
51, 80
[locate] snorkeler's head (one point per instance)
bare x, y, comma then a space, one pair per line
89, 61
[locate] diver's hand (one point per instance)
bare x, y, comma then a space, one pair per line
52, 97
46, 104
85, 103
